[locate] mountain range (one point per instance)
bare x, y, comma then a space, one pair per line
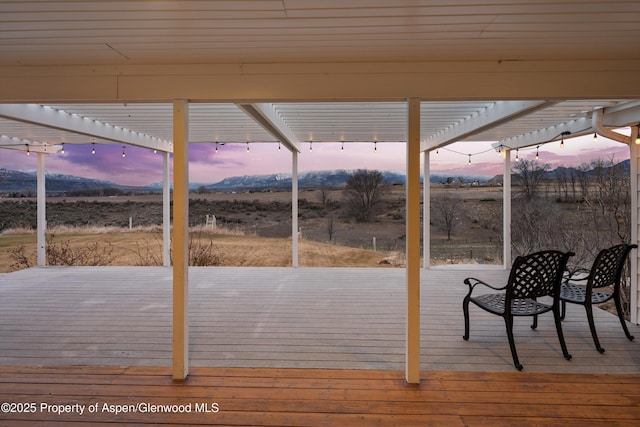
12, 181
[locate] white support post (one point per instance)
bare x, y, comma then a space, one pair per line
166, 211
506, 209
426, 211
412, 362
294, 208
181, 240
41, 209
634, 309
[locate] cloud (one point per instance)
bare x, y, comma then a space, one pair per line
578, 156
142, 166
139, 166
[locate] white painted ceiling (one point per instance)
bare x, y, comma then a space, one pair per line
242, 31
224, 31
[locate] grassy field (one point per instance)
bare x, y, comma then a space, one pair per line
144, 247
264, 221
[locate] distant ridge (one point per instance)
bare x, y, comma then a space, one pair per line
310, 179
12, 181
313, 179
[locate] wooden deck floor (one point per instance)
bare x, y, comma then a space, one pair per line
81, 337
282, 318
312, 397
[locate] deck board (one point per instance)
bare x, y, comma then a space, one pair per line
323, 397
325, 318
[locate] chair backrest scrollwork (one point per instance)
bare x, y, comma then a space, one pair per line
608, 265
537, 274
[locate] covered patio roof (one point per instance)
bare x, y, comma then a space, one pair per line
424, 73
69, 40
508, 124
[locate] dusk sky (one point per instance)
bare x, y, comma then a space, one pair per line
143, 167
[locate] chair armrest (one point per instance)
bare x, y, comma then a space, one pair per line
576, 274
472, 282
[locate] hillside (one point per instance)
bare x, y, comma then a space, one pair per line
20, 183
12, 181
25, 182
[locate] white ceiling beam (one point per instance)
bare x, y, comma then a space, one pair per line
573, 128
615, 117
27, 145
598, 127
621, 115
498, 113
42, 115
266, 116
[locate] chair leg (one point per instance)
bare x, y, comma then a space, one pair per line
616, 298
592, 326
465, 310
563, 312
558, 319
512, 344
534, 325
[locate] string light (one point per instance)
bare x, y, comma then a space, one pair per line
504, 149
437, 152
562, 135
247, 146
62, 150
279, 148
123, 154
595, 137
310, 145
375, 145
93, 148
216, 147
467, 154
342, 147
28, 150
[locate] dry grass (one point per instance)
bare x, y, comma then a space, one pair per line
143, 246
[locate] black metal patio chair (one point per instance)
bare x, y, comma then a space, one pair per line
532, 276
602, 284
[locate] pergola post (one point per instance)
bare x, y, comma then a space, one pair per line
166, 211
180, 239
412, 362
294, 208
426, 211
634, 310
41, 198
506, 209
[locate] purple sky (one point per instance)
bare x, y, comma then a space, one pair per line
142, 166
